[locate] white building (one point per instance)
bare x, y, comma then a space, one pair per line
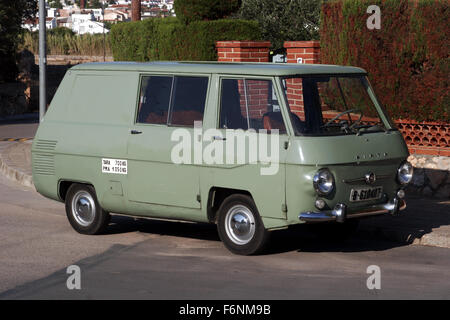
82, 17
31, 24
114, 16
52, 13
90, 27
97, 14
50, 23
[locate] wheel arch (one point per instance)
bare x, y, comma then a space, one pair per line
65, 184
216, 196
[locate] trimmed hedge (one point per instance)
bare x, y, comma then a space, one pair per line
407, 59
169, 39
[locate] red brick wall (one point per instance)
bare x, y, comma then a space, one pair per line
295, 97
308, 52
426, 137
243, 51
248, 51
257, 96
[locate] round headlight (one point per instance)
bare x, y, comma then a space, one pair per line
405, 172
323, 182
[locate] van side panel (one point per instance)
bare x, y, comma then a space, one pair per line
45, 142
89, 121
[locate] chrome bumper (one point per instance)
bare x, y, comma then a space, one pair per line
340, 214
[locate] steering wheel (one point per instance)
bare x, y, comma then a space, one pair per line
346, 112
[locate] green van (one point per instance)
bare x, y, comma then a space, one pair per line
250, 147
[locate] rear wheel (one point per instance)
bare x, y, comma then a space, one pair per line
240, 227
83, 210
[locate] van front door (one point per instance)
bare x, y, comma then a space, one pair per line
168, 106
255, 139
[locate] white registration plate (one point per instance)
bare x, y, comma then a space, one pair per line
365, 194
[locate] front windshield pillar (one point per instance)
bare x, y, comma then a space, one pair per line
383, 114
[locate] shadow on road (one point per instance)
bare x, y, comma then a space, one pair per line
302, 238
421, 217
201, 231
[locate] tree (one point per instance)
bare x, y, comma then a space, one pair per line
94, 4
55, 4
194, 10
284, 20
12, 14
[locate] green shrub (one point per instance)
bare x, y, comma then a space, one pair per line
168, 39
407, 59
282, 20
195, 10
60, 31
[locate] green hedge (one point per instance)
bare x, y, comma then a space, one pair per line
407, 59
168, 39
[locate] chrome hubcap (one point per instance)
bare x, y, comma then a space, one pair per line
240, 224
83, 208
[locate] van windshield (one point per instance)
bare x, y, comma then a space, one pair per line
331, 105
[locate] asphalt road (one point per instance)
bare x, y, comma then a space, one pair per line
146, 259
25, 129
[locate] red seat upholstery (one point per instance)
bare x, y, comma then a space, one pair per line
186, 118
179, 118
273, 120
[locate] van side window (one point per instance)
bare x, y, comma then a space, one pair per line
250, 103
154, 99
188, 100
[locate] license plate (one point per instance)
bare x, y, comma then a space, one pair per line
365, 194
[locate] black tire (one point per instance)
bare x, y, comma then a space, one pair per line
237, 206
92, 221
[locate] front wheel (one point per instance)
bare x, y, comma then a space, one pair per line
83, 210
240, 227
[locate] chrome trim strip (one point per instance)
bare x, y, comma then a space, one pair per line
392, 207
363, 179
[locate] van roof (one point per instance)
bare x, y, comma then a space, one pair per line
270, 69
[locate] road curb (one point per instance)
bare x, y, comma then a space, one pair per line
432, 239
14, 173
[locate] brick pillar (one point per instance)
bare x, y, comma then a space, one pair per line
299, 52
135, 10
82, 4
243, 51
307, 51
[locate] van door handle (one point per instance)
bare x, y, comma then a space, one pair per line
136, 132
219, 138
